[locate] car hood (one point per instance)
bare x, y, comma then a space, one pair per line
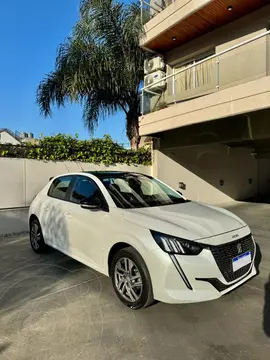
190, 220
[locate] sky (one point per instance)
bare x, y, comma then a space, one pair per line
30, 32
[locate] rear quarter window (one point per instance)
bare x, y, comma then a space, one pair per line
59, 187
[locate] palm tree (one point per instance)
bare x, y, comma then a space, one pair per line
100, 66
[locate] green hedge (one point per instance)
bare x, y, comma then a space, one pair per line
67, 148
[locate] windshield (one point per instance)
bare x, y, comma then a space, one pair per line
130, 190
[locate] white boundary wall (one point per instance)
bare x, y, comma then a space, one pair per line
22, 179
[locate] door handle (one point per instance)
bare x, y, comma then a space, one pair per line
68, 215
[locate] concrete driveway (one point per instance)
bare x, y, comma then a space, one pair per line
52, 307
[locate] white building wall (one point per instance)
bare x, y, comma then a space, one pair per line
213, 174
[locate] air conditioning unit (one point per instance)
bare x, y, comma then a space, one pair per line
154, 77
154, 64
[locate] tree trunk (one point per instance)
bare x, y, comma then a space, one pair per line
134, 143
133, 129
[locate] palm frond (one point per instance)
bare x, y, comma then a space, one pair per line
97, 107
50, 91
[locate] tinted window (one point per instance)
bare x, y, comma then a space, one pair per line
84, 189
59, 187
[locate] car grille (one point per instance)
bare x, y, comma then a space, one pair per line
224, 255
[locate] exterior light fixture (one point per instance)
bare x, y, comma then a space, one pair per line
174, 38
229, 8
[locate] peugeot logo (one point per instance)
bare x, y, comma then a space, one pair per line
239, 248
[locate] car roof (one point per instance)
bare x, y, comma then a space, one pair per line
101, 174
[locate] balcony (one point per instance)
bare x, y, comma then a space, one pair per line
213, 78
171, 23
151, 8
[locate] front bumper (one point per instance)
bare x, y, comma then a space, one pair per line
186, 279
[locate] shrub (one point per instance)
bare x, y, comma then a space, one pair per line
67, 148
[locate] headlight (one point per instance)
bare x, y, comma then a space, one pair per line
175, 245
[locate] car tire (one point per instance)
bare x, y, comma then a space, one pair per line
128, 270
36, 238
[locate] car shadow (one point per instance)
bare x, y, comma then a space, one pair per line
266, 310
258, 258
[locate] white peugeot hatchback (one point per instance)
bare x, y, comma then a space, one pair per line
151, 241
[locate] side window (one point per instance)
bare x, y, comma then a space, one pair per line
83, 188
59, 187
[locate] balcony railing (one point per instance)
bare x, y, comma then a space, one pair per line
246, 61
150, 8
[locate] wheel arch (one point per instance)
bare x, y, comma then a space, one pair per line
32, 218
114, 249
146, 298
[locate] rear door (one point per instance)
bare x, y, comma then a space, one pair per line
55, 229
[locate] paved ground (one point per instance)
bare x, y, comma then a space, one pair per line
52, 307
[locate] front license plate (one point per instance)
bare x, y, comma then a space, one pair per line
241, 260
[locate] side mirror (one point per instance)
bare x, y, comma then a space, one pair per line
91, 204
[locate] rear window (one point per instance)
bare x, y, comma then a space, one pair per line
59, 187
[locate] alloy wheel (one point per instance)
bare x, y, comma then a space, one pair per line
128, 280
35, 236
